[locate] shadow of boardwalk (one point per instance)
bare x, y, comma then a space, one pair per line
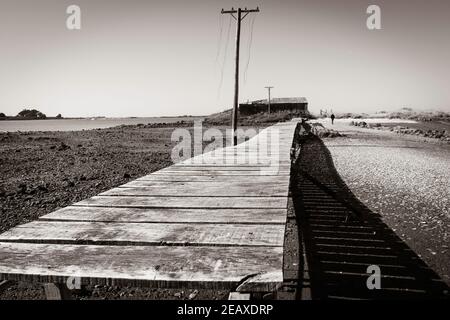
342, 238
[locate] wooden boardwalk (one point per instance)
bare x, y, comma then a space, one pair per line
213, 221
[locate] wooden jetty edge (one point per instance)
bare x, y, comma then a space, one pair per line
216, 220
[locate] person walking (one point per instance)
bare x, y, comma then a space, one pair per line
332, 118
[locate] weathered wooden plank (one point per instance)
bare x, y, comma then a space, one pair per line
105, 214
57, 291
224, 179
255, 148
68, 232
261, 154
201, 190
211, 162
244, 154
229, 162
159, 266
206, 183
279, 152
217, 168
238, 296
220, 166
264, 171
210, 165
237, 154
186, 202
262, 147
279, 139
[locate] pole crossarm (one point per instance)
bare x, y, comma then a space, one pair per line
245, 11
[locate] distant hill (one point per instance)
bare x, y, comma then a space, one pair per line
29, 114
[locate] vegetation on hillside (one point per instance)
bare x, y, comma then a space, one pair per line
31, 114
224, 118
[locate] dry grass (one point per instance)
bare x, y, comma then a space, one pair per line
224, 118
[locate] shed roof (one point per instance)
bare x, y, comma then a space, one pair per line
281, 100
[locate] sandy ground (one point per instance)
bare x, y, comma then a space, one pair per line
375, 120
405, 179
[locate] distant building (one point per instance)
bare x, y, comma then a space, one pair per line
298, 104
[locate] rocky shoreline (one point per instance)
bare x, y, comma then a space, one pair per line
442, 135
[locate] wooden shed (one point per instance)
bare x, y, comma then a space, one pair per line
296, 104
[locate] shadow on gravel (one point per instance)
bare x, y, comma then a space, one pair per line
342, 238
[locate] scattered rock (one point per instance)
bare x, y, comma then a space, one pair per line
63, 147
323, 132
70, 183
435, 134
22, 188
193, 294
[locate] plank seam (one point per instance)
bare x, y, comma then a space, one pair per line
164, 222
134, 243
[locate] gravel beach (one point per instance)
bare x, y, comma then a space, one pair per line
405, 179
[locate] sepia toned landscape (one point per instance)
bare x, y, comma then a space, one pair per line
225, 159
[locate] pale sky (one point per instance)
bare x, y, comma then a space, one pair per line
156, 58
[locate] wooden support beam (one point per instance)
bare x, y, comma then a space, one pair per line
57, 291
239, 296
5, 284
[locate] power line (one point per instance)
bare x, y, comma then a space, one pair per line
224, 59
249, 49
219, 43
238, 19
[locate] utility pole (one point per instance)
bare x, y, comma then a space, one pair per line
268, 88
238, 18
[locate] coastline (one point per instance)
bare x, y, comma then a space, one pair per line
77, 124
96, 117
